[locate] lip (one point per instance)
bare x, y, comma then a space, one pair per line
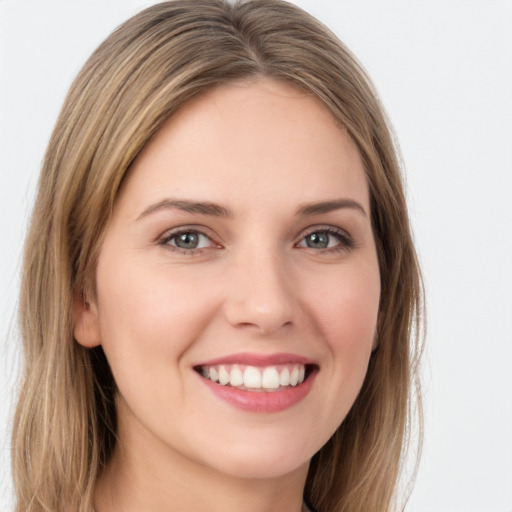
253, 359
261, 401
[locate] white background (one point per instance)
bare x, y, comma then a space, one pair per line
444, 72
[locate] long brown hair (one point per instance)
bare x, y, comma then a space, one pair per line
144, 72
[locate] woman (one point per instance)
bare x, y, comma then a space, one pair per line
219, 285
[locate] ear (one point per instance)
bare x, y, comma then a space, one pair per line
86, 325
375, 343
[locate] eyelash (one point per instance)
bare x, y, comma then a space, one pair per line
346, 243
184, 231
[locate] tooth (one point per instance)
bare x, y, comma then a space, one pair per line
284, 378
294, 377
223, 376
270, 378
214, 376
252, 377
236, 378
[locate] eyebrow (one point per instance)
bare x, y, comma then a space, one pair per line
215, 210
329, 206
199, 207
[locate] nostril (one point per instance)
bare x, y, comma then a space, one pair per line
264, 325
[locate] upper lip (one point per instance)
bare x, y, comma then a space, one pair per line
253, 359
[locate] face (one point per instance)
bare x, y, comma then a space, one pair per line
237, 286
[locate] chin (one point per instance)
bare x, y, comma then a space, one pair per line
262, 460
269, 468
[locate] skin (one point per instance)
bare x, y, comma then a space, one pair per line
261, 150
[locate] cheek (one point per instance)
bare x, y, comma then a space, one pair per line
348, 307
150, 317
345, 310
346, 315
148, 314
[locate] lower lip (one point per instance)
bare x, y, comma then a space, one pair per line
262, 401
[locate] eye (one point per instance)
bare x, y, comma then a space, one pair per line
187, 240
327, 239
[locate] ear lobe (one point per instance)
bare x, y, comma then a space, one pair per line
86, 328
375, 344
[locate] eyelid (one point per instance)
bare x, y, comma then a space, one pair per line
347, 241
169, 234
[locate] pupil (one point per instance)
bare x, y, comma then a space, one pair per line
318, 240
187, 241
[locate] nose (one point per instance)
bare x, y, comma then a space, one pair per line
261, 296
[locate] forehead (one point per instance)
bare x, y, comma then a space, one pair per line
264, 139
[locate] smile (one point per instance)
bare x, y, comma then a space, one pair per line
259, 384
254, 378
